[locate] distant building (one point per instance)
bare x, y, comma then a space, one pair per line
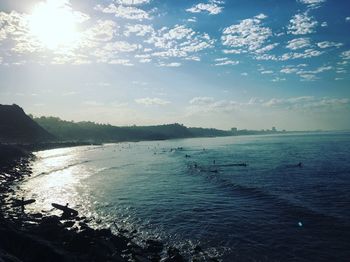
234, 129
273, 129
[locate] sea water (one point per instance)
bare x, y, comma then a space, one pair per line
191, 192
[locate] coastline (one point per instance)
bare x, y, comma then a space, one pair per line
42, 237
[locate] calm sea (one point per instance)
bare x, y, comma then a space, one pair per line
191, 192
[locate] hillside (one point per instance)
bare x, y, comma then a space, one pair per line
89, 131
17, 127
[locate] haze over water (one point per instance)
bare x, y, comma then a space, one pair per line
266, 211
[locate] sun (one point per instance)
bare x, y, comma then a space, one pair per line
54, 24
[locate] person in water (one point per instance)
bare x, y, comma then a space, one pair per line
66, 213
22, 206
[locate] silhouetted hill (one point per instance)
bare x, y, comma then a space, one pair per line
89, 131
17, 127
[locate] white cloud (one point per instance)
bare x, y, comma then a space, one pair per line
266, 72
302, 24
138, 29
122, 11
308, 53
201, 100
346, 55
213, 8
312, 3
278, 79
328, 44
103, 30
172, 64
132, 2
298, 43
152, 101
227, 62
307, 103
324, 24
249, 34
178, 41
125, 62
347, 18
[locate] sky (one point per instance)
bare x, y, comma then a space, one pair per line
249, 64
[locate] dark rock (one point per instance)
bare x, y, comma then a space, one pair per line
105, 232
37, 215
68, 223
154, 246
50, 220
120, 242
139, 258
79, 243
174, 255
197, 249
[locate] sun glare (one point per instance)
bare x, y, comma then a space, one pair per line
54, 24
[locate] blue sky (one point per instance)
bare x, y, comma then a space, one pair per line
247, 64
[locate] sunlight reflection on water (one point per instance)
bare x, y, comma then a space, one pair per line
56, 177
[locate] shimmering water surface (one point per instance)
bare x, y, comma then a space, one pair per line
269, 210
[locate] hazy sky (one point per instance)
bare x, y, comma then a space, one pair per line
238, 63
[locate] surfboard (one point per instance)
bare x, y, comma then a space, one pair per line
19, 203
65, 209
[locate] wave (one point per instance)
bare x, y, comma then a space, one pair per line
62, 168
287, 207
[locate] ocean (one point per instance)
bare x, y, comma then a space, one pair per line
191, 192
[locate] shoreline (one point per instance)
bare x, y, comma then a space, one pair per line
42, 237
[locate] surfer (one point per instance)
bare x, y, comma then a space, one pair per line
22, 206
66, 213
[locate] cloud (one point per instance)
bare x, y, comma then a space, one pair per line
225, 61
248, 35
103, 30
308, 53
266, 72
328, 44
307, 103
132, 2
298, 43
305, 75
312, 3
173, 64
345, 55
278, 79
152, 101
138, 30
302, 24
125, 62
347, 18
200, 100
212, 8
126, 12
179, 41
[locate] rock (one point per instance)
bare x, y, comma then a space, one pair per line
174, 255
105, 232
154, 246
50, 220
139, 258
68, 223
79, 243
120, 242
37, 215
197, 249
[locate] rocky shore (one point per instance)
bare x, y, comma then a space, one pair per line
39, 237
